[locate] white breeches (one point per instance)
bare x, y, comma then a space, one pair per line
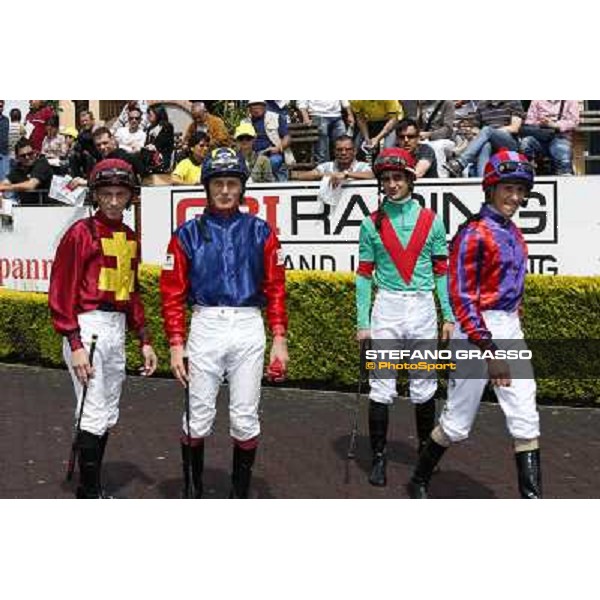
101, 406
225, 341
517, 400
407, 317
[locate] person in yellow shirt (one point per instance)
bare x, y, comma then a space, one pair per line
376, 121
189, 170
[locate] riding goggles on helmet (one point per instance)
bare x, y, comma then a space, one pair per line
511, 166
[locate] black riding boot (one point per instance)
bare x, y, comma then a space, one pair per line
241, 473
103, 442
530, 474
89, 450
193, 462
378, 426
425, 420
429, 457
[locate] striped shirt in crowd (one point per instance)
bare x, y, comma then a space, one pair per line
498, 113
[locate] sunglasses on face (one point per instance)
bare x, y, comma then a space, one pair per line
407, 136
514, 167
135, 118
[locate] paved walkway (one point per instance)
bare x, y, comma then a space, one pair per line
302, 452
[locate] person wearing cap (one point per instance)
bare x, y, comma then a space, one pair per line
402, 250
272, 137
488, 262
189, 170
259, 166
68, 163
228, 265
94, 290
70, 134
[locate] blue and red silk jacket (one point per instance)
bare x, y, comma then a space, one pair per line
488, 262
96, 267
222, 260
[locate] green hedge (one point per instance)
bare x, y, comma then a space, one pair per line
322, 326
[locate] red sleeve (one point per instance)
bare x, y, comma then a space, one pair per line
464, 287
136, 319
365, 268
66, 278
174, 286
440, 265
274, 285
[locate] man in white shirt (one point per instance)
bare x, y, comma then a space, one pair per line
132, 137
123, 118
327, 116
345, 167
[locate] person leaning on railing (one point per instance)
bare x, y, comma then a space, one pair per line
31, 172
345, 167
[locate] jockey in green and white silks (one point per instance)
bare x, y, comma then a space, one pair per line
402, 251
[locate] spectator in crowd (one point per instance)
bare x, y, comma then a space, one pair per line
345, 167
85, 154
131, 137
160, 141
30, 172
258, 165
123, 118
499, 121
204, 121
37, 117
189, 170
408, 134
436, 121
106, 147
67, 161
54, 146
465, 129
548, 130
4, 143
327, 116
70, 134
376, 121
16, 130
272, 137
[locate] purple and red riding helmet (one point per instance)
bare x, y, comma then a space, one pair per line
508, 165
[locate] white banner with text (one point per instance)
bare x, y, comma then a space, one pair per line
561, 222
